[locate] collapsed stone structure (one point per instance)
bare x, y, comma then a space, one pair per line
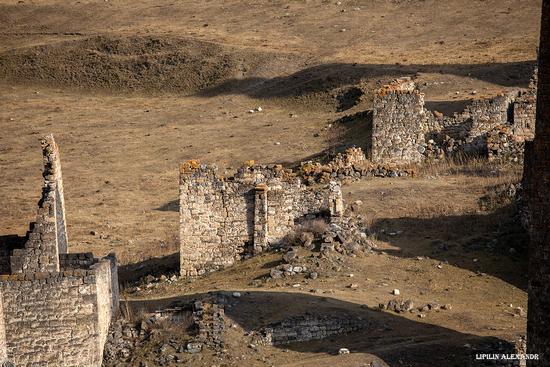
224, 218
308, 327
405, 132
55, 307
349, 165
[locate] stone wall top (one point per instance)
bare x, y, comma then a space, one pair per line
249, 173
400, 85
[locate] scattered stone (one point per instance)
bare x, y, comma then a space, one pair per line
290, 256
193, 347
343, 351
276, 274
396, 292
520, 311
307, 239
398, 305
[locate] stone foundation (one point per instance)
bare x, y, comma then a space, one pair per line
308, 327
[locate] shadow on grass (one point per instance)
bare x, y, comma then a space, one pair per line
171, 206
155, 266
493, 243
321, 78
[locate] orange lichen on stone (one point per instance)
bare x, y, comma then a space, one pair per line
261, 187
403, 85
189, 166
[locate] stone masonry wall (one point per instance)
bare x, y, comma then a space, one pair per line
52, 318
224, 218
524, 116
55, 307
308, 327
405, 132
47, 237
504, 146
215, 221
399, 123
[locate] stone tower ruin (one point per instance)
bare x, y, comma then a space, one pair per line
55, 307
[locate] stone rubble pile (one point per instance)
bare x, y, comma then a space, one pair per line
447, 146
151, 282
346, 237
203, 321
350, 165
287, 270
399, 306
123, 338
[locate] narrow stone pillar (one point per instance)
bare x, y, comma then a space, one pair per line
335, 201
260, 218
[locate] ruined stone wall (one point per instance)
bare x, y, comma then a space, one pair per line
308, 327
399, 124
485, 114
405, 132
76, 261
104, 299
47, 237
51, 317
524, 116
215, 220
224, 218
55, 307
504, 146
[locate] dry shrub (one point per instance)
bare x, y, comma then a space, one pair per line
183, 323
316, 226
469, 166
